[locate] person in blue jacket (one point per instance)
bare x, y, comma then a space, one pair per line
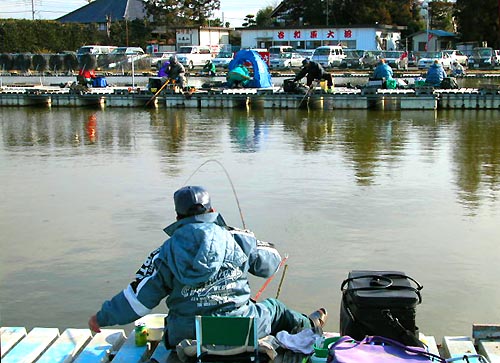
435, 74
202, 269
383, 71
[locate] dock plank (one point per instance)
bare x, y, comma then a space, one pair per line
32, 346
485, 331
459, 346
101, 346
490, 349
430, 343
66, 347
10, 336
129, 352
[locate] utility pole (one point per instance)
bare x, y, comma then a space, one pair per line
33, 9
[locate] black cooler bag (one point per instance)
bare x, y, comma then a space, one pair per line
380, 303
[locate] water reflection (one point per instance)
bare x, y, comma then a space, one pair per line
362, 187
248, 130
370, 143
476, 154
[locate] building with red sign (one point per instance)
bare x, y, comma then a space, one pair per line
368, 37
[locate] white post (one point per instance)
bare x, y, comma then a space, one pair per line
133, 75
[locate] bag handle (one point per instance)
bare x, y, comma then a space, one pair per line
466, 357
383, 281
380, 339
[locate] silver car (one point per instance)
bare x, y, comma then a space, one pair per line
396, 59
287, 60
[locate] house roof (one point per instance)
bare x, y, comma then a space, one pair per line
436, 32
98, 10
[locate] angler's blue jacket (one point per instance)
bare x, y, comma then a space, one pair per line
383, 70
435, 74
201, 269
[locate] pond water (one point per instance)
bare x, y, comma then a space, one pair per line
83, 203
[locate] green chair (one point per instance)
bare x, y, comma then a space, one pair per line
226, 339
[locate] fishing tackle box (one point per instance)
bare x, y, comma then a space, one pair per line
380, 303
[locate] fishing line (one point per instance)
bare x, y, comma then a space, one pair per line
230, 182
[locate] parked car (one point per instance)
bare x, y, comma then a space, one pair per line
371, 58
222, 59
427, 58
484, 57
276, 50
328, 55
194, 55
353, 59
127, 51
306, 53
458, 56
158, 58
396, 59
286, 60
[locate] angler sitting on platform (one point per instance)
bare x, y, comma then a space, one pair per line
85, 77
314, 71
435, 74
176, 72
383, 71
202, 269
238, 76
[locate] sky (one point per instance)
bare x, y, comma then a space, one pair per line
232, 11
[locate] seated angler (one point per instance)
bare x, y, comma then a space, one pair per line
203, 269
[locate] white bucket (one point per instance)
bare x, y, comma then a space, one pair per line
155, 324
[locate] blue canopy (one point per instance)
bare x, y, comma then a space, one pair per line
261, 75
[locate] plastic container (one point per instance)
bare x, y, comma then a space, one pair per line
322, 351
391, 84
154, 324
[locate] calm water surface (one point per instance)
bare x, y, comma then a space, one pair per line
83, 205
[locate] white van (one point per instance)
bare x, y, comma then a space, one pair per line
194, 55
328, 55
276, 50
95, 49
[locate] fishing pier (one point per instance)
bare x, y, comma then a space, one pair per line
49, 345
424, 98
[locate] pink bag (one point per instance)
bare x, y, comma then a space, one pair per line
375, 349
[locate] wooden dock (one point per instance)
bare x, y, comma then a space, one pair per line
424, 98
49, 345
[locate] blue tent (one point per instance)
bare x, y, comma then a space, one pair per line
261, 75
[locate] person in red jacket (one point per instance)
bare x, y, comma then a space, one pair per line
85, 76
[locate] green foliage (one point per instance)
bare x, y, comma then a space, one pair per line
477, 20
49, 36
181, 12
249, 21
263, 17
441, 15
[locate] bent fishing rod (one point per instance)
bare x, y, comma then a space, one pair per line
268, 281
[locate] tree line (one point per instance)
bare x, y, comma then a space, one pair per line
51, 36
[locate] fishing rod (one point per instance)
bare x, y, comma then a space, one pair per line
264, 286
230, 182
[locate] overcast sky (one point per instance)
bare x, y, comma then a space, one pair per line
233, 11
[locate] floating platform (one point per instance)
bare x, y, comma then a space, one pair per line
49, 345
424, 98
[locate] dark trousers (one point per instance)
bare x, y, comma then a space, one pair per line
326, 76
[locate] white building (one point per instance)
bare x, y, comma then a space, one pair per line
215, 37
382, 37
433, 40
